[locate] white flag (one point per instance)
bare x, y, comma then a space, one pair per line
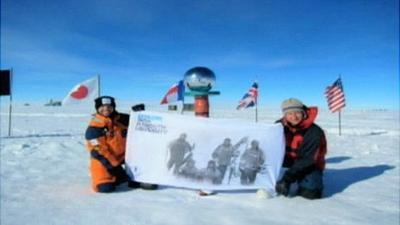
84, 92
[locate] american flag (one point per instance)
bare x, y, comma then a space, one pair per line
250, 98
335, 96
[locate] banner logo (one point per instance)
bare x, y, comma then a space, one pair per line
151, 123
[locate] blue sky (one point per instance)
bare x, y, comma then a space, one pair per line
140, 48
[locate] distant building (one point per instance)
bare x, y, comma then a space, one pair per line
188, 107
53, 103
172, 107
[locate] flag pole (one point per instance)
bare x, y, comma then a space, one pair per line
340, 118
10, 108
340, 124
256, 100
256, 110
98, 85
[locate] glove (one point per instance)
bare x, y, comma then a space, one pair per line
120, 174
282, 187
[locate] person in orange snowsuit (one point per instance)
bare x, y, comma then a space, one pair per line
106, 139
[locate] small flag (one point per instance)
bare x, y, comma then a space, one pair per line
84, 92
175, 93
5, 82
250, 98
335, 96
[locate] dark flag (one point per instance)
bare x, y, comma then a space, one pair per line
335, 96
5, 83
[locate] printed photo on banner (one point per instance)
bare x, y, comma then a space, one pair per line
203, 153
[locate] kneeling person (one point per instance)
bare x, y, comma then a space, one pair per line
106, 139
305, 150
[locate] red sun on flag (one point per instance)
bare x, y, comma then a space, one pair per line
80, 93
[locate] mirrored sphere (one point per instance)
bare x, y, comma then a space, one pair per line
199, 79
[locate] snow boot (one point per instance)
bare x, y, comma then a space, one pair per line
147, 186
309, 194
133, 184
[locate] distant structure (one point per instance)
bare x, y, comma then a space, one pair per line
188, 107
53, 103
172, 107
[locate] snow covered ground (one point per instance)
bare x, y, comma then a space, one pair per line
45, 179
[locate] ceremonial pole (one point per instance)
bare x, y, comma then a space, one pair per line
200, 80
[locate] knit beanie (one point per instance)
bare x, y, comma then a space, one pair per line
104, 100
292, 105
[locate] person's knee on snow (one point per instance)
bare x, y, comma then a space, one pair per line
311, 186
105, 187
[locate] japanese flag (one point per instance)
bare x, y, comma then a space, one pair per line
84, 92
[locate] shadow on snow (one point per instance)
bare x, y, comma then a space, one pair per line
337, 180
337, 159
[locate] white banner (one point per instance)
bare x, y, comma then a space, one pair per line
203, 153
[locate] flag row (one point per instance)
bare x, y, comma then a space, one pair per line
334, 95
90, 89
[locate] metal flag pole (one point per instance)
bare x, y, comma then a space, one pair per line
98, 85
183, 106
256, 101
10, 108
340, 124
340, 119
256, 110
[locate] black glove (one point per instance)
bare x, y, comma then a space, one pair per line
282, 187
120, 174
